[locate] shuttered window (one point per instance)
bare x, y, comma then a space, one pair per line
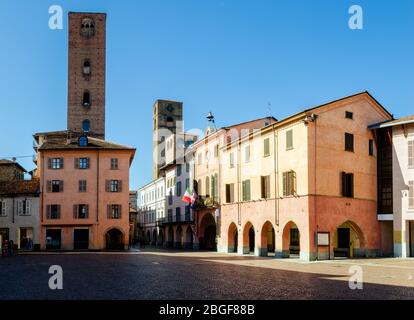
23, 207
82, 186
411, 195
3, 212
289, 139
113, 185
232, 160
246, 190
347, 184
289, 183
80, 211
82, 163
349, 141
53, 211
247, 154
265, 187
55, 163
230, 193
411, 154
266, 147
54, 185
114, 211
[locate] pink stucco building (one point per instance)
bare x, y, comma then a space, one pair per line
310, 176
84, 185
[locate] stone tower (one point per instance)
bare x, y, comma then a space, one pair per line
86, 73
167, 119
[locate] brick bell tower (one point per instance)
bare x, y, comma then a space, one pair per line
86, 73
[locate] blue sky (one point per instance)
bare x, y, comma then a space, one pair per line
230, 57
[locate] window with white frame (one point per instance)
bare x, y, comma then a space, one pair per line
23, 207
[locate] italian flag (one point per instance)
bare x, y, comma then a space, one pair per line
187, 196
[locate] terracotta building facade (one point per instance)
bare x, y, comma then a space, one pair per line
305, 186
85, 194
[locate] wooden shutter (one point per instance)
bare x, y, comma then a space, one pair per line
266, 147
48, 211
119, 185
343, 175
120, 211
351, 181
87, 163
107, 185
108, 210
49, 186
60, 185
76, 163
268, 187
284, 183
61, 163
227, 193
75, 211
28, 207
49, 163
293, 183
20, 207
248, 190
262, 187
87, 211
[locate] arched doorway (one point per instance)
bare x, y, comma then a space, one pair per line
291, 241
161, 238
267, 239
170, 242
232, 238
148, 240
189, 238
248, 238
208, 233
154, 237
114, 239
348, 240
179, 238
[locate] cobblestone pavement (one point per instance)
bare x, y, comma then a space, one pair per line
152, 274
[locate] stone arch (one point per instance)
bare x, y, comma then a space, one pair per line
189, 238
114, 239
170, 239
148, 238
249, 241
161, 237
291, 240
232, 238
207, 238
179, 237
154, 237
349, 240
267, 239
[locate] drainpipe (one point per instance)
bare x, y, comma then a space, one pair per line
276, 164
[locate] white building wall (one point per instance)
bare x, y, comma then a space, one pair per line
402, 175
14, 221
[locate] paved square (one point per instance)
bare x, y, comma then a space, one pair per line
152, 274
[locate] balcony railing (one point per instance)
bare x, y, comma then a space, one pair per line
187, 217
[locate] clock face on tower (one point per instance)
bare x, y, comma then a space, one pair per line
87, 28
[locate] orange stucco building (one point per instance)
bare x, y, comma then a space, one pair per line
84, 184
310, 176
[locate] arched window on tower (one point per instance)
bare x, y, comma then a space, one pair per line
86, 99
86, 68
170, 122
86, 125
